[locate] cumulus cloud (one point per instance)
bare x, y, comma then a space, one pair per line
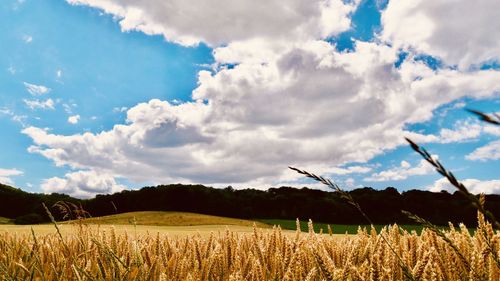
491, 151
74, 119
189, 22
402, 172
289, 99
441, 29
39, 104
462, 131
36, 90
473, 185
492, 129
308, 106
82, 184
7, 174
350, 170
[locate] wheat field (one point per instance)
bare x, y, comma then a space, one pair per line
260, 255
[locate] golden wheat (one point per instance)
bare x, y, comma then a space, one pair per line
262, 255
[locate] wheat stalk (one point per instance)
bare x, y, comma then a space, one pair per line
453, 180
347, 196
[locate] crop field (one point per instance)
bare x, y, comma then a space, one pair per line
172, 231
175, 224
238, 253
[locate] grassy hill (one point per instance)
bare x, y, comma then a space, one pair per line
5, 220
169, 219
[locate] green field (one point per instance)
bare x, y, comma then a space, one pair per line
336, 228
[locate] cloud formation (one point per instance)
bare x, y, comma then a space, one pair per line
473, 185
459, 32
7, 174
289, 97
36, 90
402, 172
190, 22
39, 104
82, 184
310, 105
462, 131
491, 151
74, 119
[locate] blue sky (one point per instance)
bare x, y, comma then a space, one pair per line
97, 97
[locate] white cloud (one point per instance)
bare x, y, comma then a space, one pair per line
7, 174
68, 108
216, 23
59, 74
350, 170
492, 130
21, 119
39, 104
82, 184
36, 90
308, 106
463, 131
12, 70
473, 185
402, 172
120, 109
491, 151
349, 183
290, 99
74, 119
14, 117
27, 39
460, 32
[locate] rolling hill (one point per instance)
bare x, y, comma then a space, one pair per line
158, 218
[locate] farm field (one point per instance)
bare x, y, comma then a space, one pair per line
142, 223
213, 252
140, 230
344, 140
336, 228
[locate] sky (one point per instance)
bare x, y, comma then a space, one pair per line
97, 96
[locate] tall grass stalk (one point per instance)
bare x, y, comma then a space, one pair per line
347, 196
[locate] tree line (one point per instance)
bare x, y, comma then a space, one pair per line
383, 206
